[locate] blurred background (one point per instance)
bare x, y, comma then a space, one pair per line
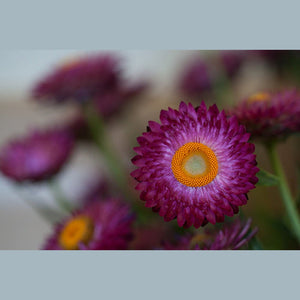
222, 78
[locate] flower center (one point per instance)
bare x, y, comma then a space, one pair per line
194, 164
77, 230
259, 97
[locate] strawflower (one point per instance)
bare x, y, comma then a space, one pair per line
270, 116
101, 225
233, 236
196, 166
37, 156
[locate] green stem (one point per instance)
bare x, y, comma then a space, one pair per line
60, 197
288, 201
118, 172
44, 212
99, 133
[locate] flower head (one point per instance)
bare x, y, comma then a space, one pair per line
270, 116
196, 166
102, 225
232, 236
80, 79
196, 78
38, 156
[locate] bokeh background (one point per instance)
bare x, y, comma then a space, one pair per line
22, 228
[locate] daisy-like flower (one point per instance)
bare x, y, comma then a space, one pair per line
79, 79
270, 116
196, 166
36, 157
102, 225
233, 236
196, 78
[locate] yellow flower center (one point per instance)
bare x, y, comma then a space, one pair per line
77, 230
194, 164
259, 97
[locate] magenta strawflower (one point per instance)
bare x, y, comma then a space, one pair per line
36, 157
196, 166
80, 79
101, 225
270, 116
233, 236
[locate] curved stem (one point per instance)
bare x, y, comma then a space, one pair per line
46, 213
288, 201
60, 197
98, 131
118, 172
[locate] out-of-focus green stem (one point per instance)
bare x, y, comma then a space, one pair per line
98, 131
46, 213
288, 201
118, 172
60, 198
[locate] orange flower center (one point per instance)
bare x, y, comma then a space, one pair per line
194, 164
259, 97
78, 230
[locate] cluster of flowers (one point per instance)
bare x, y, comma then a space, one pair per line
196, 166
199, 77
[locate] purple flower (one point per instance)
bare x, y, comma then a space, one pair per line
270, 116
232, 61
111, 102
107, 105
195, 79
80, 79
36, 157
196, 166
232, 236
101, 225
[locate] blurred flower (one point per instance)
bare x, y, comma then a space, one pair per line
270, 116
277, 58
196, 79
96, 191
232, 61
196, 166
80, 79
102, 225
111, 102
232, 236
78, 126
107, 106
36, 157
